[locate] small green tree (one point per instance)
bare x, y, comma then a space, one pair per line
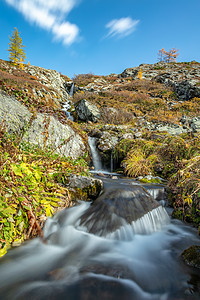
16, 52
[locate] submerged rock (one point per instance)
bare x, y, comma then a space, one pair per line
191, 256
117, 207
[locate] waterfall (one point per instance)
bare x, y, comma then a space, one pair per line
111, 162
71, 93
66, 108
151, 222
95, 154
67, 104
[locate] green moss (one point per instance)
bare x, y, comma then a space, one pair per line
191, 256
152, 180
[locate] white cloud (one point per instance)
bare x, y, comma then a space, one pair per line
49, 15
121, 27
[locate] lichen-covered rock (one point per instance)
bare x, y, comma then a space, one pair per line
49, 78
13, 114
46, 131
84, 188
191, 256
107, 141
172, 129
87, 111
184, 78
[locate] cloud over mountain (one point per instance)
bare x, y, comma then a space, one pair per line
50, 15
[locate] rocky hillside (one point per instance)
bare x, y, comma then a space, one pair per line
146, 120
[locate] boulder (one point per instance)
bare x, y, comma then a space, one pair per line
46, 131
117, 207
84, 188
107, 141
13, 114
87, 111
195, 124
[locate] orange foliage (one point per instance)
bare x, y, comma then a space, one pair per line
168, 56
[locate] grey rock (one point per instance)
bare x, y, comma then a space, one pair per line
195, 124
107, 141
49, 78
116, 207
192, 124
13, 114
183, 78
87, 111
89, 185
127, 135
46, 131
172, 129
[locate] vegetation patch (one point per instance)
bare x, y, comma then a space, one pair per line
31, 188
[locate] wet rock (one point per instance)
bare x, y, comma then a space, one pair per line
116, 207
84, 289
95, 133
85, 188
87, 111
191, 256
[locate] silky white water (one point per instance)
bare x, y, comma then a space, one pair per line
95, 154
139, 261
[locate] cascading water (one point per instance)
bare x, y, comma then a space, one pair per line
66, 108
111, 162
67, 104
138, 260
71, 93
95, 154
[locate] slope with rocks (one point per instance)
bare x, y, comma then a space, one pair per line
151, 126
41, 152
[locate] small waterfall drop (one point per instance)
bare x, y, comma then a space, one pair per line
66, 108
67, 104
95, 154
71, 93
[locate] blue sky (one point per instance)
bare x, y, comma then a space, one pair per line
100, 36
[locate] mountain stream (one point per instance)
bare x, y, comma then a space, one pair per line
108, 250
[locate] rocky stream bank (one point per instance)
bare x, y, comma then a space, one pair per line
146, 129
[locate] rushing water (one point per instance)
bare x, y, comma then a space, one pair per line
138, 261
95, 154
94, 251
67, 104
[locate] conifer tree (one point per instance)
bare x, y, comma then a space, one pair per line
168, 56
16, 52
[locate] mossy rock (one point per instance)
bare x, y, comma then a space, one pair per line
191, 256
84, 188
